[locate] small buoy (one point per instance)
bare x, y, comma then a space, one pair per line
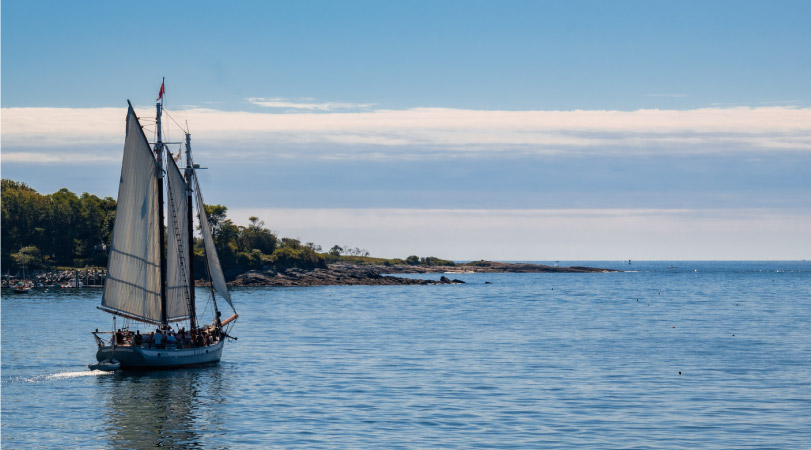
680, 372
674, 326
733, 335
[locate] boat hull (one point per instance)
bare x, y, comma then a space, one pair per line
135, 358
109, 365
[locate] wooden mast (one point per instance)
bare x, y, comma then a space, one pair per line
190, 222
162, 227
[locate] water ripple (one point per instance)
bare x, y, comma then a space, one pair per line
657, 358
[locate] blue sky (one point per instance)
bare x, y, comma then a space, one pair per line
531, 130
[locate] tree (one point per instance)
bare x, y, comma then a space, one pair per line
216, 217
27, 256
256, 237
336, 250
65, 228
291, 243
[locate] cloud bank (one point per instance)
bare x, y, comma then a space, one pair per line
418, 132
550, 234
306, 104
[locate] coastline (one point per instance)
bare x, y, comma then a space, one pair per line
354, 274
340, 273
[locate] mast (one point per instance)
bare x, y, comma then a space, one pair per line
162, 226
190, 221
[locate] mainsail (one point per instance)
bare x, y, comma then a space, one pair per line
132, 287
214, 268
178, 276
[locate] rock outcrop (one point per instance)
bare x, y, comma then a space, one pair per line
336, 274
344, 273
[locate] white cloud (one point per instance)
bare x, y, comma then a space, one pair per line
58, 158
550, 234
283, 103
429, 132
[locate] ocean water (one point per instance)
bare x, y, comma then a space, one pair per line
703, 355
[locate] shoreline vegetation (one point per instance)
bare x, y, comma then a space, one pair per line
60, 237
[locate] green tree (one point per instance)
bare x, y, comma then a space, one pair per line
27, 257
256, 237
216, 215
65, 228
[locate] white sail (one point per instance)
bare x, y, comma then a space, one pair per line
132, 286
214, 268
178, 277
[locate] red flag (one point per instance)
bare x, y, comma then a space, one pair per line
160, 94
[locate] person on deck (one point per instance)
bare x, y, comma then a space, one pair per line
158, 339
138, 339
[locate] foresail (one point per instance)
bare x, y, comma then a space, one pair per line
214, 268
133, 269
178, 276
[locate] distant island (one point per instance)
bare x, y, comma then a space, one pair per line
47, 236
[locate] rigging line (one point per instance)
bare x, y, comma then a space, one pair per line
205, 309
175, 121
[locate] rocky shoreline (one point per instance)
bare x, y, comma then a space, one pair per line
336, 274
348, 274
90, 277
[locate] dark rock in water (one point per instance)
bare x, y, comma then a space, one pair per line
445, 280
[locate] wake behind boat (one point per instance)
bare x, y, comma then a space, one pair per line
150, 271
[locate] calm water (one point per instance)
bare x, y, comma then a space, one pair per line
528, 361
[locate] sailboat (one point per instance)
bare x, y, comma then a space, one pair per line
150, 271
22, 286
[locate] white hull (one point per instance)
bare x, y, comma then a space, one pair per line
153, 358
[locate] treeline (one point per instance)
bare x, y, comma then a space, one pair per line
430, 261
253, 247
59, 229
65, 230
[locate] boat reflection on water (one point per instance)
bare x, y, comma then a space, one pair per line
168, 408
